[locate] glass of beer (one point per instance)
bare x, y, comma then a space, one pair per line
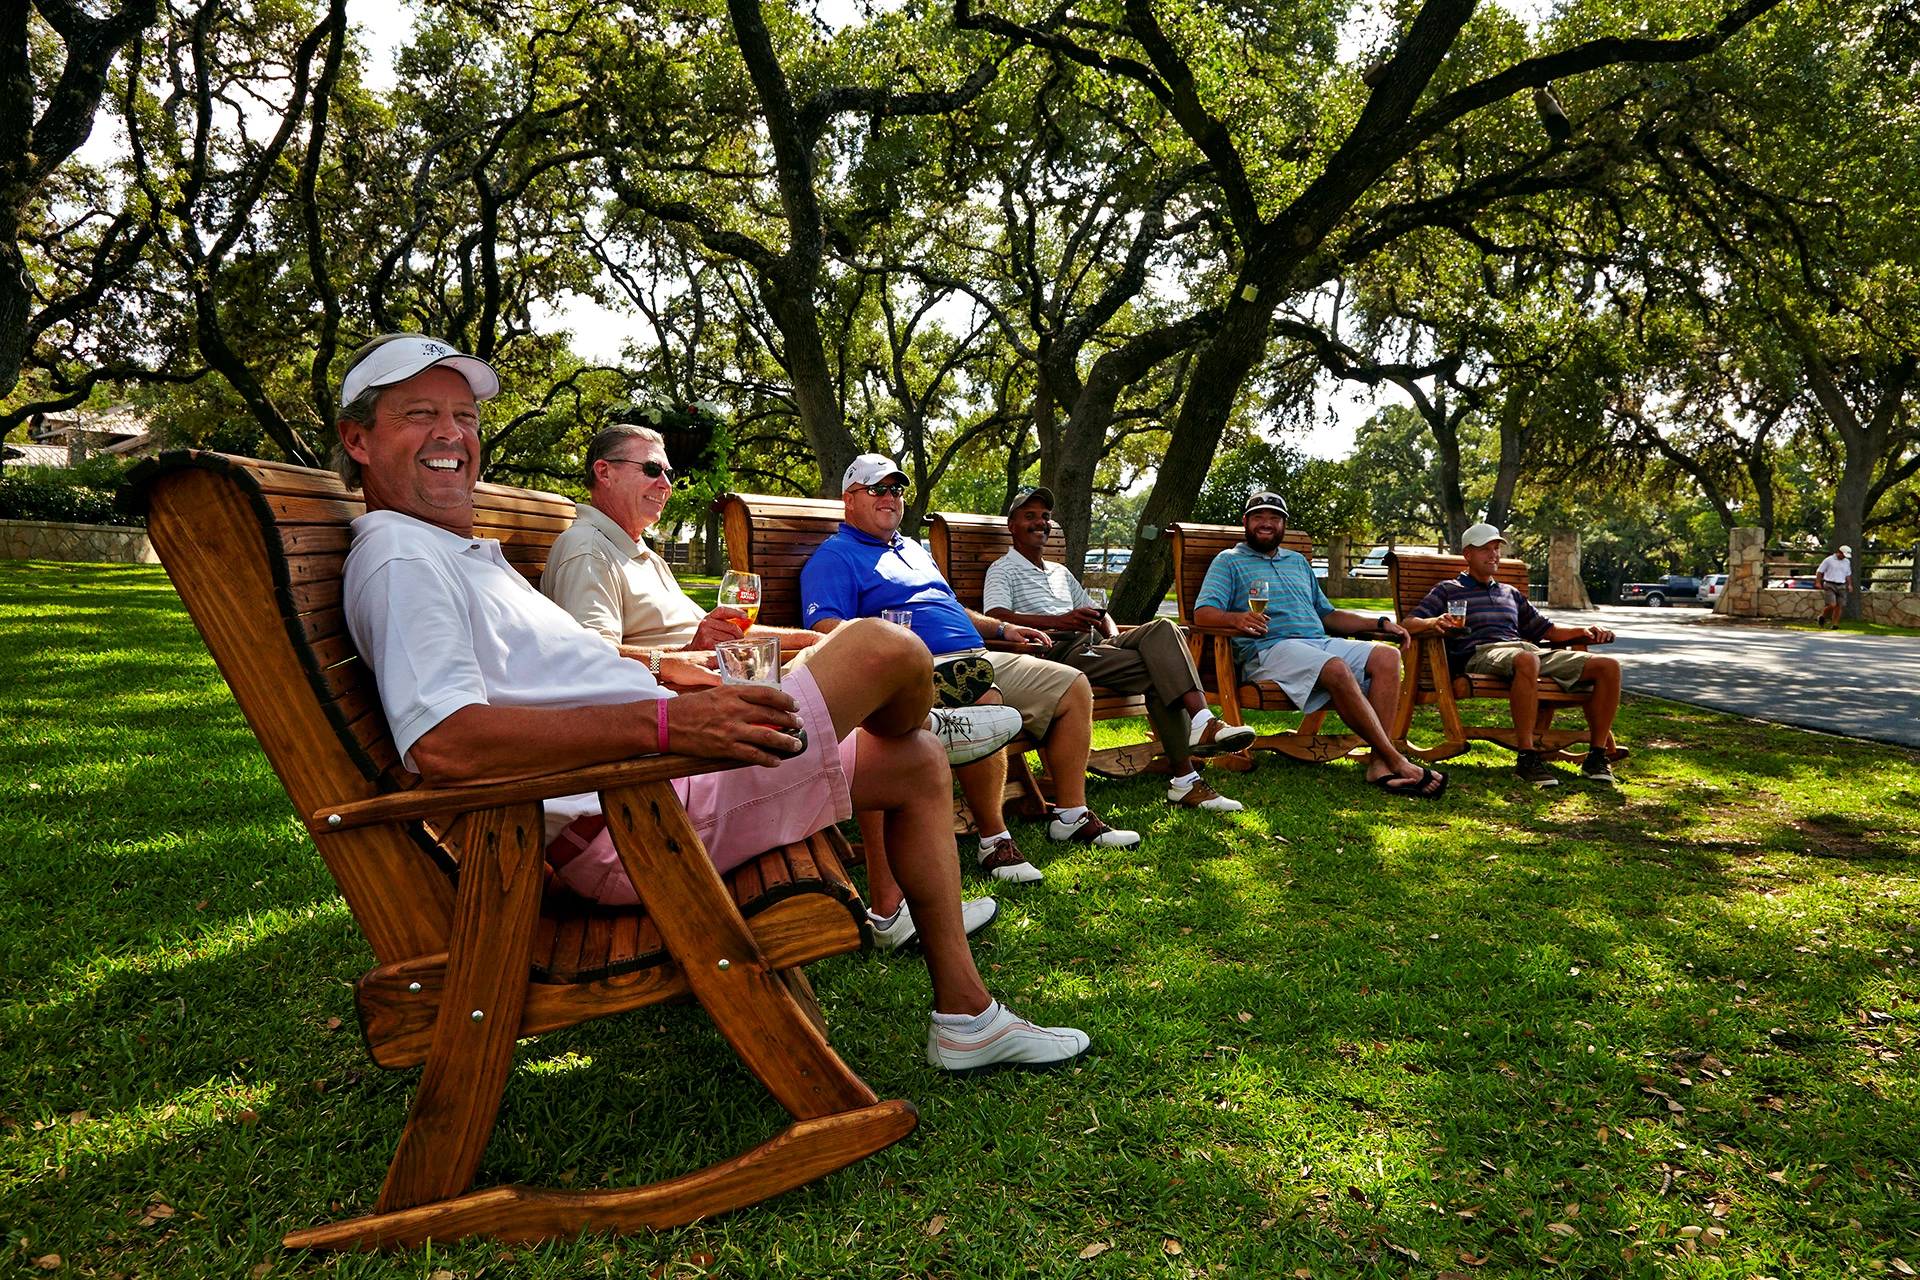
752, 660
1457, 610
741, 591
1257, 598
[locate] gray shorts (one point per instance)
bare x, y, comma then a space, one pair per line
1836, 592
1295, 666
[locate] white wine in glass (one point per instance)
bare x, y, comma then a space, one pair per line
741, 591
1257, 598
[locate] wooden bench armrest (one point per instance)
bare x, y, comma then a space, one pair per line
428, 802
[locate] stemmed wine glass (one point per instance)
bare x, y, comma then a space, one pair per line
1097, 596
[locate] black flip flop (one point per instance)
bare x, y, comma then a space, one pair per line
1415, 790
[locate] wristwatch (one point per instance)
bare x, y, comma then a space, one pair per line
1001, 634
653, 662
1385, 622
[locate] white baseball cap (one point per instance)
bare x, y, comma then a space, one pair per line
1479, 535
869, 468
1846, 551
411, 354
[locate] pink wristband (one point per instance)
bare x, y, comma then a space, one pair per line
660, 744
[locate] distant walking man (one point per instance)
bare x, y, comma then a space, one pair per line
1150, 659
1835, 576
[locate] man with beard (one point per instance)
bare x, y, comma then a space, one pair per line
1150, 659
1298, 640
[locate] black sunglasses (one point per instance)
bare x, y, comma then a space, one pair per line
894, 490
651, 469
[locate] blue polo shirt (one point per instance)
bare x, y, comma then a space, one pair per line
852, 575
1496, 614
1295, 602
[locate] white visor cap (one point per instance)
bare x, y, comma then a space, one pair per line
403, 358
1480, 535
869, 468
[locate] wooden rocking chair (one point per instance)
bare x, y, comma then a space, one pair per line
449, 885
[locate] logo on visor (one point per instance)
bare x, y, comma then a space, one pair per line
436, 349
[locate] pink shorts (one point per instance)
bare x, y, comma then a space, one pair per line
742, 813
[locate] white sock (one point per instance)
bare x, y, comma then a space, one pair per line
1186, 779
885, 922
1201, 717
968, 1021
988, 842
1070, 816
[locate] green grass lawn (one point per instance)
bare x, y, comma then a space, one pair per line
1663, 1030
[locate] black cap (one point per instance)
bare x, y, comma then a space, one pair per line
1265, 500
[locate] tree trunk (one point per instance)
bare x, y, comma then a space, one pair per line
1515, 437
1219, 371
791, 304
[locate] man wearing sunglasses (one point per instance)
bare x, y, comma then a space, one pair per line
602, 572
868, 568
484, 679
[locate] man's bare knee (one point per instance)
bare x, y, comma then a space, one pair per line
1337, 674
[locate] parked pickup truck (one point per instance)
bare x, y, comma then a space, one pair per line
1656, 594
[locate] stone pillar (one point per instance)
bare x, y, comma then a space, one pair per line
1565, 590
1746, 573
1913, 569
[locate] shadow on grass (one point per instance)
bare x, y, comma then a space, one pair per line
1334, 1026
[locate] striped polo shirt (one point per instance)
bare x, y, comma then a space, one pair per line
1496, 613
1295, 602
1015, 582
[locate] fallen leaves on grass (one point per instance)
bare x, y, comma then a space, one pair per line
1563, 1229
936, 1226
1095, 1249
48, 1262
154, 1213
1171, 1247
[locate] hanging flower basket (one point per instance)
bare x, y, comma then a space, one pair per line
688, 429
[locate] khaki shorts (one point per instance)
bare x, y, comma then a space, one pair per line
1562, 666
1032, 686
1836, 592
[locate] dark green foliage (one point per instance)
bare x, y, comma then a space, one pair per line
1322, 497
70, 495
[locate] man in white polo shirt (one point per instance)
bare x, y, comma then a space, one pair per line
1150, 659
482, 679
602, 572
1835, 576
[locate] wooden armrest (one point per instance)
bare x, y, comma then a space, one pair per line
428, 802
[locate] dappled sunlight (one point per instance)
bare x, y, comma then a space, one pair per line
1338, 1021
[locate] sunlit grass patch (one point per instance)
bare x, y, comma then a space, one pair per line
1332, 1032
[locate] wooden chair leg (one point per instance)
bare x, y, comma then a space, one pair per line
703, 931
802, 992
484, 995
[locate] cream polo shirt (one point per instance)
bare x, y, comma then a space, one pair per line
616, 586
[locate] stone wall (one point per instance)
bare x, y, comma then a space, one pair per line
85, 543
1339, 584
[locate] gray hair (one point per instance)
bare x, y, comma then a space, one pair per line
359, 409
607, 439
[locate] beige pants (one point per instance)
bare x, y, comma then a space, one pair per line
1562, 666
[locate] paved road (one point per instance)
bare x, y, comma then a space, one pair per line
1860, 686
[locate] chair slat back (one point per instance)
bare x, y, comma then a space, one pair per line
1196, 545
964, 545
773, 536
257, 550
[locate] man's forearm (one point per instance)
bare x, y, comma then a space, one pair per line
1040, 621
989, 628
481, 743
